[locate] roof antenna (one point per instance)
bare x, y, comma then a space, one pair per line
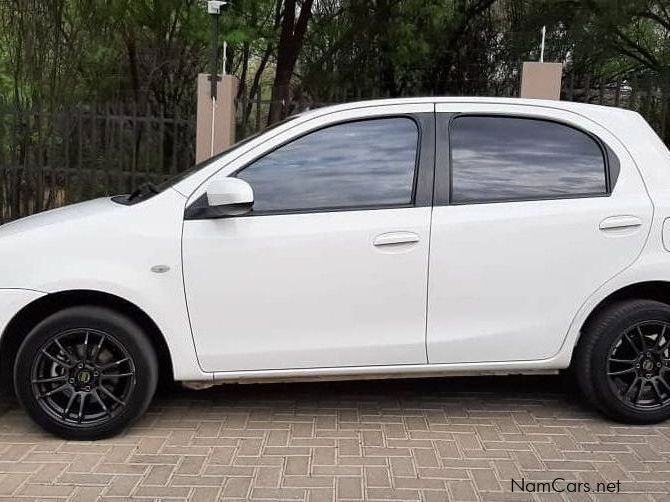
544, 34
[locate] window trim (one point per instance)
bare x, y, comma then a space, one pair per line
422, 137
444, 187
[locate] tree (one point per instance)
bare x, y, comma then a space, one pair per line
294, 21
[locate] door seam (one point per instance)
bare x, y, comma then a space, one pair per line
430, 230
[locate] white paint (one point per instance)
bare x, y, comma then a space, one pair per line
225, 191
343, 294
306, 290
103, 246
507, 278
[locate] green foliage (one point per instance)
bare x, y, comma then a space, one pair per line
148, 52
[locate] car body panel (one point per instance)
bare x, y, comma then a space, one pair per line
329, 296
307, 290
107, 247
507, 277
12, 300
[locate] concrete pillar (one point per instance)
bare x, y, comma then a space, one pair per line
541, 80
223, 114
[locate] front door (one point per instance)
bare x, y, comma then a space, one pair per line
330, 267
540, 209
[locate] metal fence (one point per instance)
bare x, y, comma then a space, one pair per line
48, 159
252, 113
647, 95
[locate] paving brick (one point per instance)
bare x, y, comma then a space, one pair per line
39, 490
297, 466
402, 467
392, 494
307, 481
342, 441
435, 495
348, 447
324, 456
86, 493
278, 494
485, 480
349, 488
443, 473
424, 457
9, 483
191, 464
377, 477
320, 495
204, 494
236, 487
250, 447
85, 479
448, 449
162, 491
122, 486
158, 475
48, 473
462, 491
419, 483
228, 470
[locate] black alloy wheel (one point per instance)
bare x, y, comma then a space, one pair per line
85, 372
622, 361
639, 365
82, 376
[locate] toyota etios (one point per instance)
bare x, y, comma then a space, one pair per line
413, 237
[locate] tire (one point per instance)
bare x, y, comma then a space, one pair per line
622, 362
85, 373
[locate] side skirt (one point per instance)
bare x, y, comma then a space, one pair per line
374, 373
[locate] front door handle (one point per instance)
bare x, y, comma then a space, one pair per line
620, 222
390, 238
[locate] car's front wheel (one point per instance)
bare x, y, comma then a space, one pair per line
623, 361
85, 372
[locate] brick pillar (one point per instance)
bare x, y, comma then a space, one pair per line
541, 80
223, 115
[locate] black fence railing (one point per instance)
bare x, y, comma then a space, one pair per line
648, 96
49, 159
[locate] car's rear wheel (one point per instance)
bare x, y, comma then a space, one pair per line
85, 372
623, 361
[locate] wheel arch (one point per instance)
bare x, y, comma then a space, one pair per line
647, 290
30, 315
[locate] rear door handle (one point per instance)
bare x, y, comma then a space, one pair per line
620, 222
390, 238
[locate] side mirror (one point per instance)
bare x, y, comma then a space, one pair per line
223, 197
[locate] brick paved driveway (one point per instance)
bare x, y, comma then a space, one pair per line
449, 439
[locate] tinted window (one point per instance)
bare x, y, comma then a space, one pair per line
355, 164
502, 158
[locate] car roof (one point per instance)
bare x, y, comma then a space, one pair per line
582, 108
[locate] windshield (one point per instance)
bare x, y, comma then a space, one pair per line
186, 173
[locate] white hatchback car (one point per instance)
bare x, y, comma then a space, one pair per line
395, 238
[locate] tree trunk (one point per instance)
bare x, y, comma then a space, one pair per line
291, 39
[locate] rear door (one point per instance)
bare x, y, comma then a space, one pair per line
535, 209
